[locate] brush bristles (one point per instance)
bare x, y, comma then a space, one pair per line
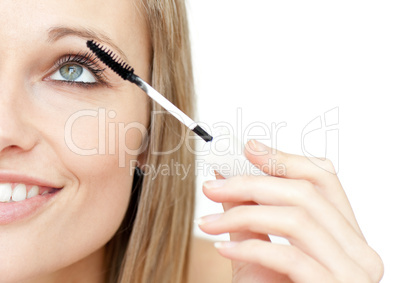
111, 60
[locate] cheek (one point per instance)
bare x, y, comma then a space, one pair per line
99, 138
101, 187
90, 208
101, 155
92, 149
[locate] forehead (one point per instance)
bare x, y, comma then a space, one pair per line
27, 22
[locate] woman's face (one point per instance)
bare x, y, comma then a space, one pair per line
66, 129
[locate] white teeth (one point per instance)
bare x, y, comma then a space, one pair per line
5, 192
33, 192
19, 192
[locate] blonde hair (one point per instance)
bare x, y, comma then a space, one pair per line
155, 246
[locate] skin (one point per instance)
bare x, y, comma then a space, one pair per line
64, 241
304, 204
207, 265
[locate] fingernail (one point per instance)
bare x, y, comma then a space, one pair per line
257, 146
208, 219
214, 184
225, 245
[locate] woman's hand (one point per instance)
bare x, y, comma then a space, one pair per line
301, 201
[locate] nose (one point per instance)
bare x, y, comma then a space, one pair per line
16, 132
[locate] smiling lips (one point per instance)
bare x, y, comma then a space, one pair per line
16, 192
22, 197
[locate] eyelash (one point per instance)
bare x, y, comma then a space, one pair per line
86, 60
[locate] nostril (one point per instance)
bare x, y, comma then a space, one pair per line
10, 148
17, 134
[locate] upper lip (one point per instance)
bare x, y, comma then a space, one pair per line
12, 177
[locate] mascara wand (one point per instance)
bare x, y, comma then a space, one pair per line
126, 72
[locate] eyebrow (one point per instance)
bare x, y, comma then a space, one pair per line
57, 33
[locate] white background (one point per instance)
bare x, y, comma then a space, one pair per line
293, 61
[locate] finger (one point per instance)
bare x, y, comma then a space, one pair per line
319, 172
284, 192
267, 190
242, 235
292, 223
283, 259
225, 205
281, 164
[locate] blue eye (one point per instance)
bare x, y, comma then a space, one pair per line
73, 73
79, 70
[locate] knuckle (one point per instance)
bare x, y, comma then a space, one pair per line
307, 188
328, 166
254, 244
304, 191
297, 220
255, 247
250, 186
293, 256
238, 210
376, 269
356, 275
241, 181
235, 180
241, 214
301, 216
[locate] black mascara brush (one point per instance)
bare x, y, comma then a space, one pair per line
127, 73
